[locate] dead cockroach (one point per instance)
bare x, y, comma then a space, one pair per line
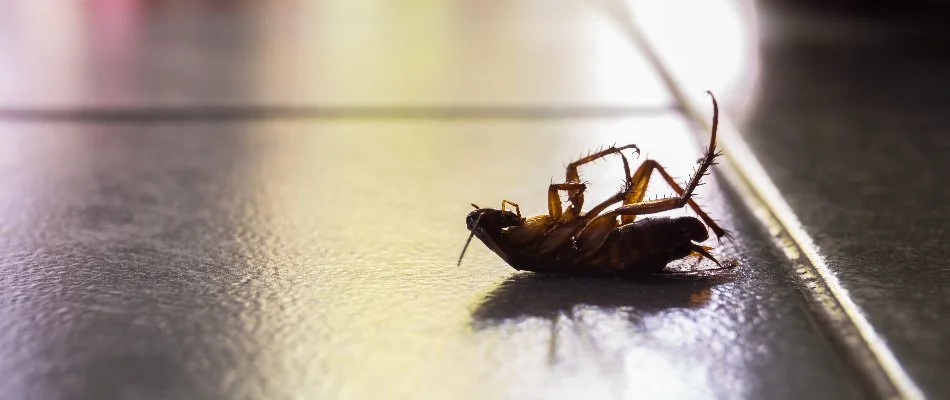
599, 241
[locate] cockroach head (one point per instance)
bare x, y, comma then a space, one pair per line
491, 220
485, 223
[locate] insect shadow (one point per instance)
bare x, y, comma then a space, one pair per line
526, 295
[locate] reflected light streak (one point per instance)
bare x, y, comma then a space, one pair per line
842, 318
595, 352
355, 206
454, 54
708, 44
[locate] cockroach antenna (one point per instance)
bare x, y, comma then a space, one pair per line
474, 227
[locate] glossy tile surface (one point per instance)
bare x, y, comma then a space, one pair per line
267, 202
851, 124
317, 260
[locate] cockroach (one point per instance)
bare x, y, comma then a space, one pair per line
602, 242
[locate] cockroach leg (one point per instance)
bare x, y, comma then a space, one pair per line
645, 207
638, 190
602, 240
554, 200
517, 209
572, 174
702, 250
648, 207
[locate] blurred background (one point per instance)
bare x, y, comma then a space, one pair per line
267, 200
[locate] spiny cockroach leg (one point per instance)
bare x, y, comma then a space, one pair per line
572, 175
639, 184
517, 209
642, 178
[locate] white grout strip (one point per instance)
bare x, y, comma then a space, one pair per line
865, 349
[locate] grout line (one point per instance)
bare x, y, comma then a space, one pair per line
843, 320
245, 113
